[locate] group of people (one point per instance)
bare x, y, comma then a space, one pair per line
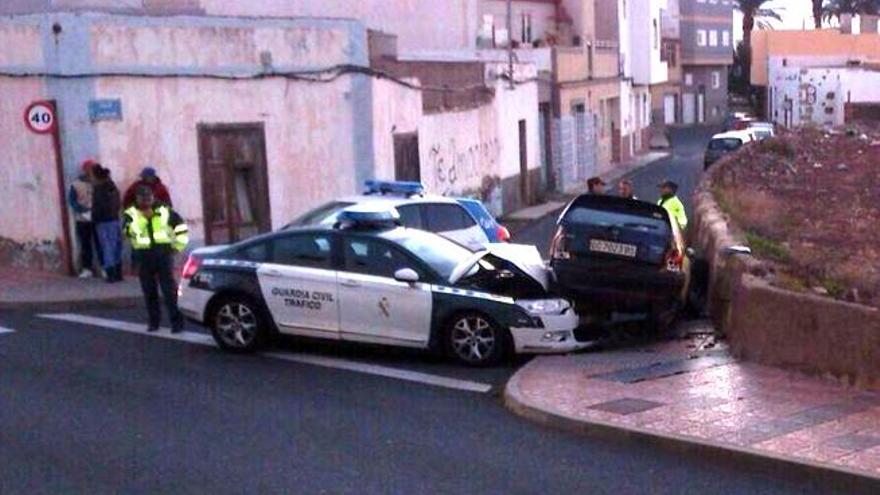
668, 196
145, 217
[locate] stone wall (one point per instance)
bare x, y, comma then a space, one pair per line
777, 327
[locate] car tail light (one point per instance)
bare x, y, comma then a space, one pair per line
558, 247
674, 260
191, 266
503, 234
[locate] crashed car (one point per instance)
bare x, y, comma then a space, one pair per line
613, 254
367, 279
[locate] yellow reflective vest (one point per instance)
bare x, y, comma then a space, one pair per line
675, 208
164, 228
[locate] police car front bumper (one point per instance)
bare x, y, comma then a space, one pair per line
556, 336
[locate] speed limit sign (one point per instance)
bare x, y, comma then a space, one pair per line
40, 117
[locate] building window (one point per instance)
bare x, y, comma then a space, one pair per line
526, 28
701, 37
688, 79
713, 38
716, 80
725, 37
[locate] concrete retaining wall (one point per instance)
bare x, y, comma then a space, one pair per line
777, 327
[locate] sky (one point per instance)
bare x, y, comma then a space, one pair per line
795, 14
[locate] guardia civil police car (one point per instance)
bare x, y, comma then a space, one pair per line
367, 279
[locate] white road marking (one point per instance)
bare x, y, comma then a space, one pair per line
295, 357
373, 369
6, 330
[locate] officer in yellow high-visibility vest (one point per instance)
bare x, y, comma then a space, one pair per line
156, 233
672, 204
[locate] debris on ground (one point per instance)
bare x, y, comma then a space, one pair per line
808, 203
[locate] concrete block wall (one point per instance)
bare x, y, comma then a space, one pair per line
777, 327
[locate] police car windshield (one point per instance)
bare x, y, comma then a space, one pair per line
324, 214
439, 253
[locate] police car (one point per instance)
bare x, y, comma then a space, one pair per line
367, 279
465, 221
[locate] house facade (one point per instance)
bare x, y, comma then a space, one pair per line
705, 28
249, 121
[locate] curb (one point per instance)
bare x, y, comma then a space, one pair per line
123, 302
771, 464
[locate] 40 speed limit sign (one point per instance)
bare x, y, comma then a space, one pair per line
40, 117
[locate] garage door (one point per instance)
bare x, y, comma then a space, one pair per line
689, 108
669, 109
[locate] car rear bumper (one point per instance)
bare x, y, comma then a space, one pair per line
193, 302
557, 336
634, 288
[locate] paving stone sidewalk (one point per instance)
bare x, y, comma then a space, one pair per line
691, 390
34, 290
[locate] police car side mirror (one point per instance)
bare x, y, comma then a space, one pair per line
407, 275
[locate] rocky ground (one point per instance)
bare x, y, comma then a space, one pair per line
808, 203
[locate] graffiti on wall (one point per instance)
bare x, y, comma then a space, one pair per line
467, 170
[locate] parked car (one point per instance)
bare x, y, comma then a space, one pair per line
612, 254
366, 279
737, 121
762, 130
458, 219
724, 143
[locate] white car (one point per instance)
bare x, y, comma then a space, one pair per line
761, 130
366, 279
438, 214
724, 143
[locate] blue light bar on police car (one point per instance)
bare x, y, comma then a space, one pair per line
394, 187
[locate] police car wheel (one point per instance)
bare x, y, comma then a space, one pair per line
475, 340
237, 326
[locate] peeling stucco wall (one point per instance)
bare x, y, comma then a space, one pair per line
165, 72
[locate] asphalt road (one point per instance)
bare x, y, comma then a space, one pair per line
87, 408
684, 166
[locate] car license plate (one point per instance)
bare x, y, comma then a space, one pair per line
620, 249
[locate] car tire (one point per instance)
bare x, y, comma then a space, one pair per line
237, 325
475, 340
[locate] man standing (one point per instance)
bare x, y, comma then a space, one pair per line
671, 203
150, 179
105, 214
156, 233
79, 197
595, 185
626, 190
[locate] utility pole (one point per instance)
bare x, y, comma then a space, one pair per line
510, 42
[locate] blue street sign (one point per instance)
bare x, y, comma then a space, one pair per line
105, 109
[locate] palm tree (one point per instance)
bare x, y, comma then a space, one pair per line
754, 14
835, 8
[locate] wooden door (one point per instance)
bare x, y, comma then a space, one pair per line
406, 157
235, 188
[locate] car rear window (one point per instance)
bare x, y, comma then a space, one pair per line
654, 223
725, 144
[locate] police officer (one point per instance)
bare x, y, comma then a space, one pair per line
156, 233
671, 203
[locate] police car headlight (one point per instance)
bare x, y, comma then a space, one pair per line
544, 306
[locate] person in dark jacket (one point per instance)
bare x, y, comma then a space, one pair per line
105, 214
150, 179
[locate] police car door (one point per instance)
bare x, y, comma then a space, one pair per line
299, 285
373, 305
